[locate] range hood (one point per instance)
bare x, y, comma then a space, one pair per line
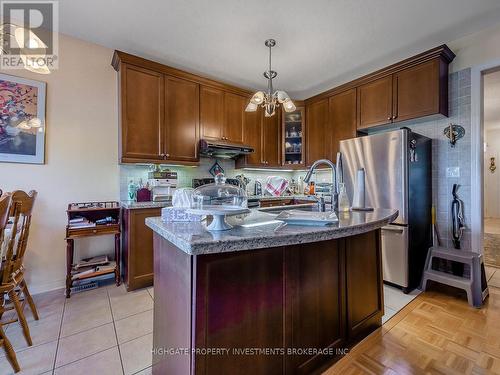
223, 150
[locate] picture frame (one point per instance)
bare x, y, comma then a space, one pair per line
22, 120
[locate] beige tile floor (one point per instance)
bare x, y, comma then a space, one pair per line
104, 331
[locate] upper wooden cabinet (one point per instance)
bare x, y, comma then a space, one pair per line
142, 114
181, 119
211, 112
342, 113
411, 93
234, 108
293, 135
271, 140
318, 138
264, 135
417, 91
163, 108
222, 115
375, 102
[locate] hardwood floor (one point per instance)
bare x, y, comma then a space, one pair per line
436, 333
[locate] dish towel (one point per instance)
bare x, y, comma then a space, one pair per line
276, 185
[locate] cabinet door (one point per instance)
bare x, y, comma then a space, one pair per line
318, 144
342, 119
181, 119
375, 103
271, 129
142, 111
139, 248
234, 107
315, 316
364, 283
252, 136
211, 113
416, 91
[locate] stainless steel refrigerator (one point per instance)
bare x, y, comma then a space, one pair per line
397, 175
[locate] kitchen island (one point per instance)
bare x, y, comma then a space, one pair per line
263, 298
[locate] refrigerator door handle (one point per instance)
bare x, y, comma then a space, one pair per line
394, 229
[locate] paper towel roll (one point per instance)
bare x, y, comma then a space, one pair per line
359, 190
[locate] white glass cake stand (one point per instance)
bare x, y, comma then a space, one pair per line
219, 214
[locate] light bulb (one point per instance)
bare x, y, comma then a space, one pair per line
251, 107
282, 96
258, 98
289, 106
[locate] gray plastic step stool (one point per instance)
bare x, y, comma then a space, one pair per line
475, 285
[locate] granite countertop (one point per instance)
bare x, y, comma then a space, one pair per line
133, 205
260, 230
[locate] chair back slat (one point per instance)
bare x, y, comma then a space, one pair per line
21, 209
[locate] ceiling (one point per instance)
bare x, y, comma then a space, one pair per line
321, 43
492, 101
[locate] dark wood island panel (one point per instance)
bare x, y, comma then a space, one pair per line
263, 309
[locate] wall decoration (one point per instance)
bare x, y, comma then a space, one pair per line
22, 120
493, 166
216, 169
454, 133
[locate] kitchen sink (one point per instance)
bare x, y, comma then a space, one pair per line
310, 207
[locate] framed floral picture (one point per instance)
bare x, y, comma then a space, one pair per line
22, 120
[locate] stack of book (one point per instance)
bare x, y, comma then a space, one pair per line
92, 267
80, 222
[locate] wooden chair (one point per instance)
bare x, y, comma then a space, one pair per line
13, 267
5, 203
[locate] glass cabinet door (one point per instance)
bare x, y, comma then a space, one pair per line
294, 138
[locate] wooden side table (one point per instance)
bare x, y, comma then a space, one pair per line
92, 211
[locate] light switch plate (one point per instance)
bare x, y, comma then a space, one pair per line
452, 172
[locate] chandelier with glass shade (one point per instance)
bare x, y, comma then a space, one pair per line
270, 100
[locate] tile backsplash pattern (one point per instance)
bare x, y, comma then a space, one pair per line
444, 156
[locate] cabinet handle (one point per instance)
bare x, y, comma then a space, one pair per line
167, 155
389, 118
394, 117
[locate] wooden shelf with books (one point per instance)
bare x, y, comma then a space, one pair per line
87, 219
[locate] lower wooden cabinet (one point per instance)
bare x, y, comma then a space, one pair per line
137, 247
365, 296
281, 310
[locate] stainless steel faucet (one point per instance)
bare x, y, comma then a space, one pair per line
335, 194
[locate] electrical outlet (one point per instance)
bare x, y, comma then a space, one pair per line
452, 172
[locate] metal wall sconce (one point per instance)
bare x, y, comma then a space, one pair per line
454, 133
493, 167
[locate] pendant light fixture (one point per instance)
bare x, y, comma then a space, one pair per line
271, 99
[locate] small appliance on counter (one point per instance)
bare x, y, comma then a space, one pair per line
163, 184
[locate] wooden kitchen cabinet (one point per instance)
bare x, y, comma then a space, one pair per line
222, 115
142, 114
271, 140
264, 135
310, 269
318, 139
181, 119
234, 108
342, 112
375, 103
417, 91
294, 138
137, 247
211, 112
252, 136
365, 299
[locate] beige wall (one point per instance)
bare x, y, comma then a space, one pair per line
81, 155
476, 49
492, 180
